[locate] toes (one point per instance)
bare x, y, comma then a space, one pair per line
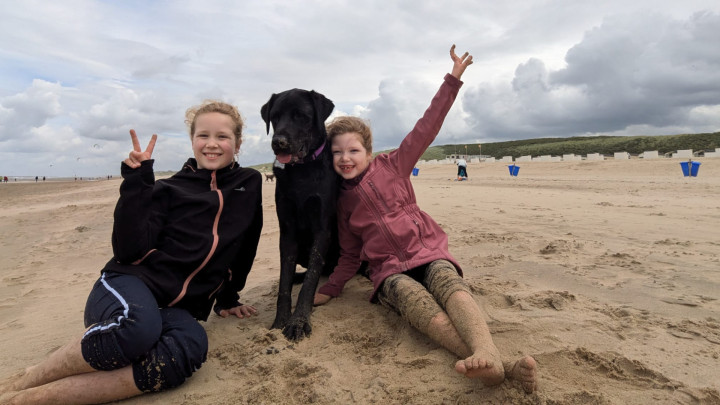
476, 363
529, 387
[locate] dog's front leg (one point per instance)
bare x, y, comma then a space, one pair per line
299, 324
288, 254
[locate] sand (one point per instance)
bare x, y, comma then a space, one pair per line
606, 272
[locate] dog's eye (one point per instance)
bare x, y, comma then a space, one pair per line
301, 118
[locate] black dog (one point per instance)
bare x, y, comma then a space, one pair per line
305, 200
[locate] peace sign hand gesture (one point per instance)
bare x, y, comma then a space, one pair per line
137, 155
460, 63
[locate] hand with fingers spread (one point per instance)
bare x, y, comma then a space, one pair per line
460, 63
137, 155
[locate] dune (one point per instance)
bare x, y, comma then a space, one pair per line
606, 272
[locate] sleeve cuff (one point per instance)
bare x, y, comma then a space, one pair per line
450, 79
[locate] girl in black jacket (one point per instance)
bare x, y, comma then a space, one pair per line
182, 246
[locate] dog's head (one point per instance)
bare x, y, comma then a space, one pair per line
298, 120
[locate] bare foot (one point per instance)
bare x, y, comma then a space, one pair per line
485, 367
524, 371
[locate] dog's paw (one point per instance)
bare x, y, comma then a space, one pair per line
279, 323
297, 329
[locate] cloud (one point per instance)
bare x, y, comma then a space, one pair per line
85, 72
33, 108
638, 69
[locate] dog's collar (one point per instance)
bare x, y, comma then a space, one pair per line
315, 154
319, 151
307, 159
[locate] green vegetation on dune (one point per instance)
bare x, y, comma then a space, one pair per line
581, 145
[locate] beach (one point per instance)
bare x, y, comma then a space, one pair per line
606, 272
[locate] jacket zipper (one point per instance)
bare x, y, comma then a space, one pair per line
377, 194
420, 234
216, 238
383, 225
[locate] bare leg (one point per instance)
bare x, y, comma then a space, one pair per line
484, 362
460, 328
64, 362
88, 388
482, 358
65, 377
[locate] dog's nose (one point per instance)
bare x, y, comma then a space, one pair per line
280, 142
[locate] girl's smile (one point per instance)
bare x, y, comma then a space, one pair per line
350, 158
214, 144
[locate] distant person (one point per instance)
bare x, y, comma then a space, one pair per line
412, 270
43, 178
462, 169
182, 247
36, 179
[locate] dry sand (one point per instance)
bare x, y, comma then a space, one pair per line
606, 272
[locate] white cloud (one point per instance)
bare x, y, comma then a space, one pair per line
82, 72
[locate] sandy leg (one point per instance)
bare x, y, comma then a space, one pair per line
9, 384
88, 388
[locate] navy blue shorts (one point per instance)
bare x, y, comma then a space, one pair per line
126, 327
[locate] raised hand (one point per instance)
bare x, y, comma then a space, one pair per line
460, 63
137, 155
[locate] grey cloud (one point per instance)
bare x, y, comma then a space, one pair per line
631, 70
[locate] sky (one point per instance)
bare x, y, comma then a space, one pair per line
77, 75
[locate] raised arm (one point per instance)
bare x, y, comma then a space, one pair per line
133, 230
428, 127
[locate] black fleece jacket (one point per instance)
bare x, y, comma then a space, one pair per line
191, 238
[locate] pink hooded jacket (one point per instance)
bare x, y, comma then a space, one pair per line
379, 220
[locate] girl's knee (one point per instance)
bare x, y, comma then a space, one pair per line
440, 321
443, 281
181, 350
117, 343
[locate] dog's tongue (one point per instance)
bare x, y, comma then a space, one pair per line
283, 157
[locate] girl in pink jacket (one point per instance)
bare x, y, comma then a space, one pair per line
407, 253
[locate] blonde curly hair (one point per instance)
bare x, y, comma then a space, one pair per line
210, 106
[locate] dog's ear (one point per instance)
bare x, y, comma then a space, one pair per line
323, 108
265, 112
